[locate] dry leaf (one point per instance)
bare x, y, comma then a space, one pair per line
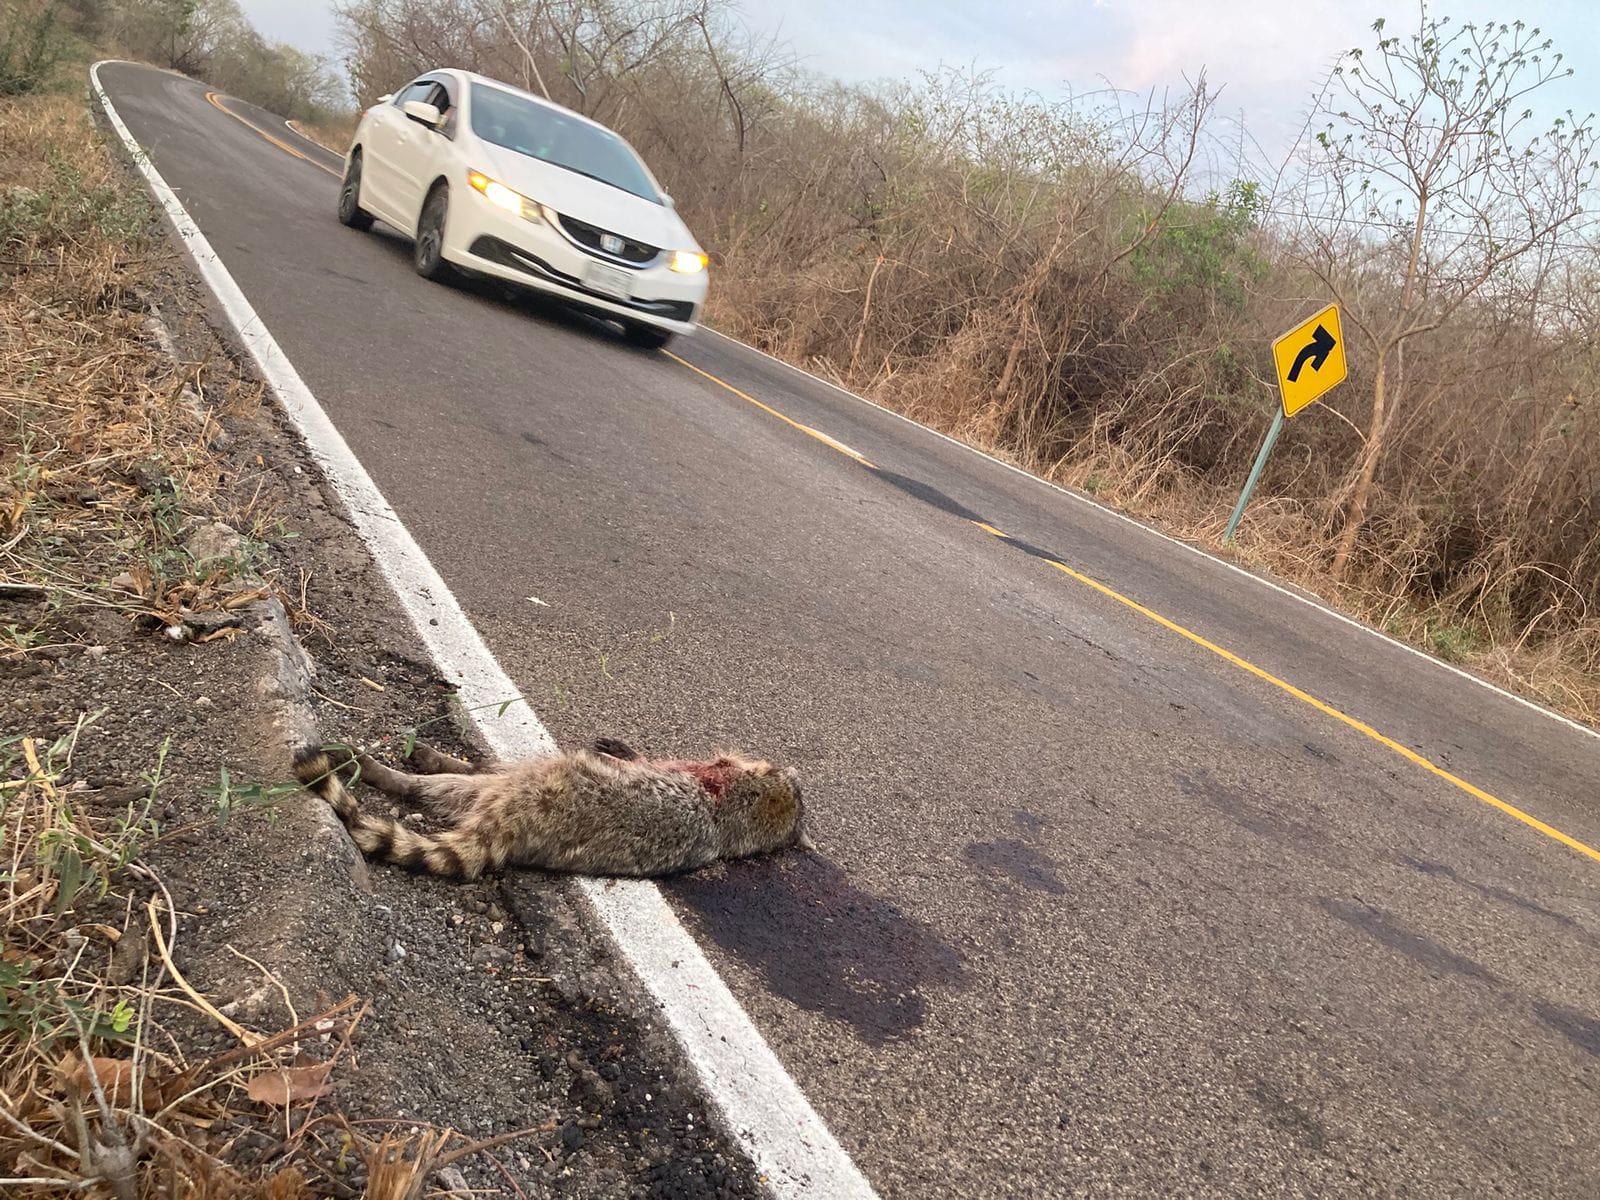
116, 1077
286, 1085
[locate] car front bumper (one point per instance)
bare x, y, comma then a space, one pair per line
482, 237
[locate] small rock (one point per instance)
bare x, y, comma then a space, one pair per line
213, 540
571, 1139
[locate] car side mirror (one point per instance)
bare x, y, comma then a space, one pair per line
423, 113
385, 98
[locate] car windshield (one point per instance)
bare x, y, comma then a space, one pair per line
558, 138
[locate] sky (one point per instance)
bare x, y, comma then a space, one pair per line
1268, 56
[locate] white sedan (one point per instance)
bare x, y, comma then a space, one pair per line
493, 180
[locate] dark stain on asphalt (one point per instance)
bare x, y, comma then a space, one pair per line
1019, 863
1299, 1122
1033, 551
1028, 822
945, 503
820, 942
1438, 870
927, 493
1581, 1030
1236, 808
1418, 947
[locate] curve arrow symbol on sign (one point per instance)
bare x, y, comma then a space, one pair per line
1316, 350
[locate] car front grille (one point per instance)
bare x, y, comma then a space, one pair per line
590, 238
507, 255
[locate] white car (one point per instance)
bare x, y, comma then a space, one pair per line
490, 179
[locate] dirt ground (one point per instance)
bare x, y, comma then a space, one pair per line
493, 1006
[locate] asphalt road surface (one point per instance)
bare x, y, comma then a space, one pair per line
1099, 908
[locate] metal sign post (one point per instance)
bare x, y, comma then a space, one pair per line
1255, 473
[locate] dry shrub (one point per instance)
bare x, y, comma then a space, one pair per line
106, 466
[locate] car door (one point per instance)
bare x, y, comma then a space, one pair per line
423, 152
384, 165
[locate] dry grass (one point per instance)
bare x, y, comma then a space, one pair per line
95, 1088
96, 1091
106, 467
331, 133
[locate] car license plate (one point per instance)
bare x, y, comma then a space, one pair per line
608, 281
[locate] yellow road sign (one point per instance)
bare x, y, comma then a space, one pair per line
1310, 360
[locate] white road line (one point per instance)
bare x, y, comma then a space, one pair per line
1182, 545
760, 1104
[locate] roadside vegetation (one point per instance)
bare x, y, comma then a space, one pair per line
122, 526
1087, 286
209, 39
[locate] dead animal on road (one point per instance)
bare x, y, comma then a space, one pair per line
603, 811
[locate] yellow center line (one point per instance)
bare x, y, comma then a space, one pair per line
215, 100
1361, 727
1511, 810
831, 443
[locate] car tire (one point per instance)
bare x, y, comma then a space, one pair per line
350, 211
647, 337
428, 253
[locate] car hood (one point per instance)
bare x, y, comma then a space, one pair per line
588, 199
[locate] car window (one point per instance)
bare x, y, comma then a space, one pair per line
558, 138
439, 96
413, 91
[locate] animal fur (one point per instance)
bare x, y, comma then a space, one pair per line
606, 811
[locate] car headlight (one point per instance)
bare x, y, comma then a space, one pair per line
689, 262
499, 195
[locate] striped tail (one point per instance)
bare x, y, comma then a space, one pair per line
455, 853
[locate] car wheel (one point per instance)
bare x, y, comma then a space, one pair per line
350, 211
650, 337
428, 255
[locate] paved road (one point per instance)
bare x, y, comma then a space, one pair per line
1099, 909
